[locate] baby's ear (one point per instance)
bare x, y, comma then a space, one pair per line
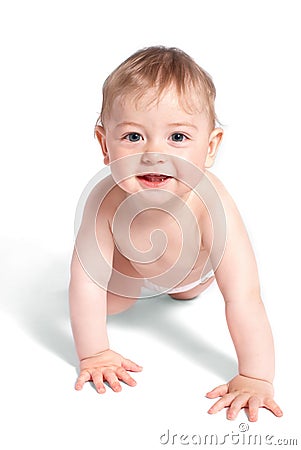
101, 137
214, 141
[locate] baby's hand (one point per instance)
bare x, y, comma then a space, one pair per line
107, 366
244, 392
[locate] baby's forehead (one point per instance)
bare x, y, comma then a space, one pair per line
190, 102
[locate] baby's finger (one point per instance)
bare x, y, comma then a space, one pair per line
82, 379
98, 381
126, 377
225, 401
254, 404
238, 403
219, 391
127, 364
272, 406
112, 379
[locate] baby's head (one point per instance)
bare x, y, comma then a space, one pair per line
156, 69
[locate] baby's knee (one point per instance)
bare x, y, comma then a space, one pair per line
182, 296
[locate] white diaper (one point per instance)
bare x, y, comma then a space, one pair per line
154, 287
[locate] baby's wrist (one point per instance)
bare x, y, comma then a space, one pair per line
266, 380
94, 355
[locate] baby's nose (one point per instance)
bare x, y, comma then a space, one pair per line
152, 158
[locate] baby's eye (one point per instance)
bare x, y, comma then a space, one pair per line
133, 137
178, 137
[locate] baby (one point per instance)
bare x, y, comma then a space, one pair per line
160, 222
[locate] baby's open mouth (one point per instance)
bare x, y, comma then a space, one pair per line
153, 177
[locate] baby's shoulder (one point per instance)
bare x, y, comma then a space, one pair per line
228, 203
220, 189
216, 182
102, 198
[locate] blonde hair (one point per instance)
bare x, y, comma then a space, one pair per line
159, 68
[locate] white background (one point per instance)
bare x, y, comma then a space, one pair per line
54, 58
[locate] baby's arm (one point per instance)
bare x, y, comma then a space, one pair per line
238, 281
88, 313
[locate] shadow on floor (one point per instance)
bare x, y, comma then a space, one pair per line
35, 295
39, 302
155, 316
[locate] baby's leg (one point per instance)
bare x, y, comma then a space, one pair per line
118, 303
194, 292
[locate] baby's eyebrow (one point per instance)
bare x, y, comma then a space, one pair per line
131, 124
173, 124
183, 124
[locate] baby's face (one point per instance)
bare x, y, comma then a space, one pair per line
155, 139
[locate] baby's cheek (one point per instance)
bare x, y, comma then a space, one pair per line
130, 185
